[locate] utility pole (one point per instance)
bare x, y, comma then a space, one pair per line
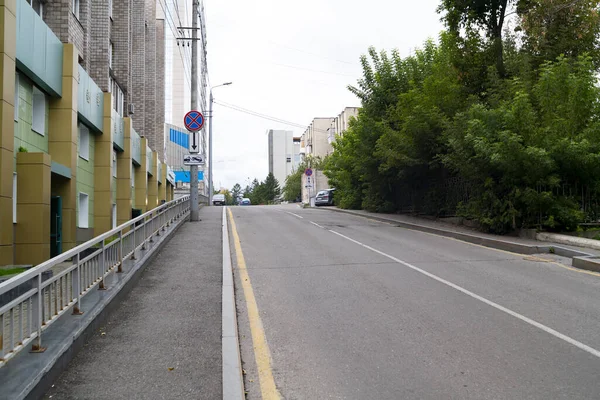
194, 208
210, 149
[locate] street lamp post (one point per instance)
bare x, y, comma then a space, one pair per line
210, 140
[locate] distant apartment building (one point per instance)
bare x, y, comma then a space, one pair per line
284, 154
340, 123
81, 140
316, 141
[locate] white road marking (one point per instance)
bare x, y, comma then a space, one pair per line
315, 224
295, 215
497, 306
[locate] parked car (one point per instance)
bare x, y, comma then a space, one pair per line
245, 202
218, 200
324, 198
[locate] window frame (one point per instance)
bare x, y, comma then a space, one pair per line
17, 99
114, 164
80, 142
83, 219
38, 124
76, 8
14, 199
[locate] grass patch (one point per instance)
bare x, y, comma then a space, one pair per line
12, 271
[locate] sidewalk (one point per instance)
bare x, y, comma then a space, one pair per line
163, 341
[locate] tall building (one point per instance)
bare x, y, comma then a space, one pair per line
178, 69
284, 154
82, 137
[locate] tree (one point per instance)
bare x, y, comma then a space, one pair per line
236, 192
560, 27
271, 188
476, 15
292, 190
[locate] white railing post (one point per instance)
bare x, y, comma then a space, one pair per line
144, 236
102, 267
76, 286
120, 268
38, 315
134, 244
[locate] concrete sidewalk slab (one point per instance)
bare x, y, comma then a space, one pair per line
163, 341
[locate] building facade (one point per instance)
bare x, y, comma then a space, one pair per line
316, 141
178, 68
284, 154
340, 123
78, 134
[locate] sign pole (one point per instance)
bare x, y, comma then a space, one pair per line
194, 207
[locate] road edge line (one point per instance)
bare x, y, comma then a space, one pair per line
233, 382
262, 353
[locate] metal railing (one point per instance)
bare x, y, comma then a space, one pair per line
48, 291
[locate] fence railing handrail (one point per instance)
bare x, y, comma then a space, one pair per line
44, 266
38, 297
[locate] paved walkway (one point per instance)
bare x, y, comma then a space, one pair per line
164, 340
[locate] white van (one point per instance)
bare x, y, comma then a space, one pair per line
218, 200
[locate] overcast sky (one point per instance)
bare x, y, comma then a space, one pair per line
293, 60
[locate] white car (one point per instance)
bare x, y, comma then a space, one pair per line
218, 200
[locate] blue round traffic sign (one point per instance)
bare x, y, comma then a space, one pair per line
193, 121
308, 172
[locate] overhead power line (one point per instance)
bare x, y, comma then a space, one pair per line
265, 116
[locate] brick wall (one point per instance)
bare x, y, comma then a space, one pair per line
99, 41
150, 98
138, 63
160, 88
122, 46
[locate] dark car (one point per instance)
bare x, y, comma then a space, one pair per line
245, 202
325, 198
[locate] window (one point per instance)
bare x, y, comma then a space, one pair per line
76, 8
288, 158
114, 164
114, 216
132, 176
17, 97
84, 210
14, 198
117, 96
111, 52
38, 123
38, 6
84, 141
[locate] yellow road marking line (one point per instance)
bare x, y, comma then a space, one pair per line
262, 355
581, 271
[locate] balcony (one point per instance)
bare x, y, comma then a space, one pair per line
136, 144
39, 51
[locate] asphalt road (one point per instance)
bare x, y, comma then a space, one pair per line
389, 313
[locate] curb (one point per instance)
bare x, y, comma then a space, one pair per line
579, 259
233, 382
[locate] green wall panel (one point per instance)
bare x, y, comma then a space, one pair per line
24, 135
39, 51
85, 179
90, 101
